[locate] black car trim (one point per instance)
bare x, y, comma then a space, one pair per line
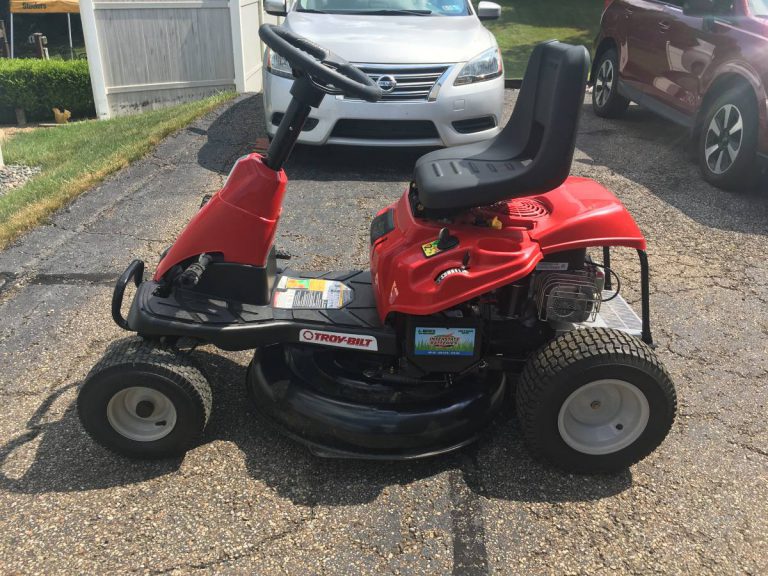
654, 105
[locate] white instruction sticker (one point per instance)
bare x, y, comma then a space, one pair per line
311, 294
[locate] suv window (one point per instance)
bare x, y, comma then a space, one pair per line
724, 7
385, 7
759, 8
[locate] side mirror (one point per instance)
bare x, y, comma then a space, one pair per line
700, 8
488, 11
276, 7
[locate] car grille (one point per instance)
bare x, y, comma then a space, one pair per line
385, 129
414, 82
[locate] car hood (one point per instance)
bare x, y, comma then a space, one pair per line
395, 39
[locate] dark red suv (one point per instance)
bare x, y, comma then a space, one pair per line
700, 63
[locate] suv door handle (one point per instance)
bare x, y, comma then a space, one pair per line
664, 26
628, 12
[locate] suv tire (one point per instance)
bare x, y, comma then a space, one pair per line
606, 100
729, 160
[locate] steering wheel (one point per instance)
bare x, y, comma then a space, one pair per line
330, 72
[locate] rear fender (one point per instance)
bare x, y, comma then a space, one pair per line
410, 278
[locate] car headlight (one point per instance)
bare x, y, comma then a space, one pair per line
278, 65
484, 66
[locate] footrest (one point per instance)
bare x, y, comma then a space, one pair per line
336, 299
616, 314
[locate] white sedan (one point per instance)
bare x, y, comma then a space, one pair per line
440, 70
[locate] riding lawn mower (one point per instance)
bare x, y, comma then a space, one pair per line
483, 293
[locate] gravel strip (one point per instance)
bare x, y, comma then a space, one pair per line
14, 175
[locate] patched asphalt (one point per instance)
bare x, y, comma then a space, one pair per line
249, 501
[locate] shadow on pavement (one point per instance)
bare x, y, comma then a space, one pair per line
657, 154
238, 129
67, 460
232, 134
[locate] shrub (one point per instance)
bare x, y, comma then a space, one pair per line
39, 85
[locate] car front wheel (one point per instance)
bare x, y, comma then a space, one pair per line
606, 100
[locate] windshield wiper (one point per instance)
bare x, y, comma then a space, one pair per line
310, 11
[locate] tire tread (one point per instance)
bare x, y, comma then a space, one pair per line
136, 352
565, 351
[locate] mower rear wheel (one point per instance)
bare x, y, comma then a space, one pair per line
144, 400
595, 401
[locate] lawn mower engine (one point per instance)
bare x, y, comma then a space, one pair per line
565, 290
568, 295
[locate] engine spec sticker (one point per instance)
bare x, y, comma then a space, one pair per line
551, 266
339, 339
444, 342
311, 294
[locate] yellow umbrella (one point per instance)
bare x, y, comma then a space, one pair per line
45, 7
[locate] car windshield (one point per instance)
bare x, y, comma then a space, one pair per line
759, 7
386, 7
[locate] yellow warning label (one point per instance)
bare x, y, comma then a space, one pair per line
430, 249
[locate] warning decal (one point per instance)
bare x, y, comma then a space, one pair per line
430, 249
339, 339
311, 294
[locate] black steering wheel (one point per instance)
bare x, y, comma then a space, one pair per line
329, 71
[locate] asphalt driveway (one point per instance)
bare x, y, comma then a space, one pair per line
249, 501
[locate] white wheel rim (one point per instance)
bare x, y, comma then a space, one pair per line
724, 137
604, 83
141, 414
603, 417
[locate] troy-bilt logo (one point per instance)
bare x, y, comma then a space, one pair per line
355, 341
443, 341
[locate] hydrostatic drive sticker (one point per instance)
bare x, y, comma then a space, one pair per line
311, 294
444, 342
339, 339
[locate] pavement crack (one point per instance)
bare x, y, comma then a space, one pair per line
82, 279
470, 556
249, 550
748, 447
121, 234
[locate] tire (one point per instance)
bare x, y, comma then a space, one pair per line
730, 163
606, 100
610, 380
143, 400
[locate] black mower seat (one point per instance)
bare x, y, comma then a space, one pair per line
533, 152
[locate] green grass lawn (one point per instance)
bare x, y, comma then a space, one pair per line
75, 157
525, 23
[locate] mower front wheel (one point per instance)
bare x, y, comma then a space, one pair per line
595, 401
145, 400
